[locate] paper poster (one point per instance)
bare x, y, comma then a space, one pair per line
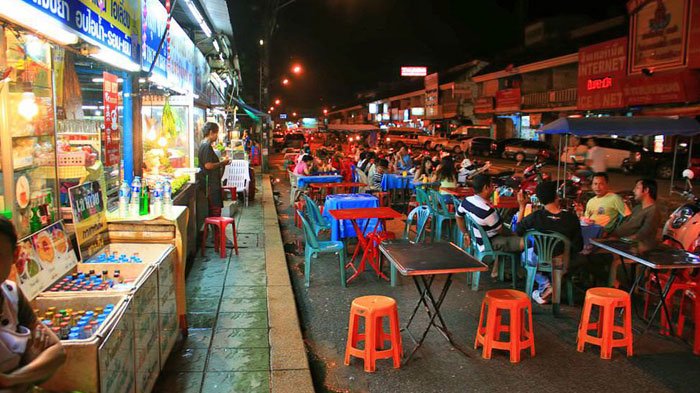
44, 258
87, 203
110, 93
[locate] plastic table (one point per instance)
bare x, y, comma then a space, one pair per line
303, 181
393, 181
459, 192
341, 230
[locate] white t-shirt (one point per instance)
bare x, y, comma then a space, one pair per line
597, 157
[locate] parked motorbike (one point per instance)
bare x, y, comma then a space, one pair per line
469, 169
683, 226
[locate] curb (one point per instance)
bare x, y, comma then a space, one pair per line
289, 366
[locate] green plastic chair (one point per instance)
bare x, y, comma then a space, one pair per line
488, 253
440, 214
457, 237
422, 197
313, 247
545, 244
420, 214
318, 222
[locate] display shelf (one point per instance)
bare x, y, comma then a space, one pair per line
48, 134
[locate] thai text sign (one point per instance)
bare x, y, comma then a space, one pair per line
155, 18
658, 33
508, 100
110, 95
414, 71
89, 216
602, 69
114, 24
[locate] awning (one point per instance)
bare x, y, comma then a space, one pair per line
253, 113
623, 126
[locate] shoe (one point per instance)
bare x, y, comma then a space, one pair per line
546, 293
536, 297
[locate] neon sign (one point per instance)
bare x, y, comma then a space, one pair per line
599, 83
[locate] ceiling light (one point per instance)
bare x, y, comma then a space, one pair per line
28, 16
100, 80
198, 17
28, 108
116, 59
216, 45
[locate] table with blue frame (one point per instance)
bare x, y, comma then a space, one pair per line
344, 229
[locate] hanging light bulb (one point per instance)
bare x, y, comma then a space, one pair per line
28, 108
162, 142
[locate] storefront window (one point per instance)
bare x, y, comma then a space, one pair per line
165, 137
27, 139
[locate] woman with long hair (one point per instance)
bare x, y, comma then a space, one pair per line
425, 171
446, 173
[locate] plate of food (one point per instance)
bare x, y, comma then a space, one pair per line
26, 266
22, 192
44, 247
60, 241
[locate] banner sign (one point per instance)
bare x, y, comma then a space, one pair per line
201, 73
110, 95
672, 86
414, 71
113, 24
87, 203
602, 70
155, 17
508, 100
43, 258
180, 65
658, 34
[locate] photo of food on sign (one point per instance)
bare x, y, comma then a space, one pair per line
44, 247
27, 266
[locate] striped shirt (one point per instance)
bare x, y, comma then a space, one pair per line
483, 213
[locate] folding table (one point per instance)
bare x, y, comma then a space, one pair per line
423, 262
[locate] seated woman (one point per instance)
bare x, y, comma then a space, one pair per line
446, 173
29, 351
425, 171
305, 166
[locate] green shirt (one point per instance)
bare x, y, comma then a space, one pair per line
605, 210
644, 223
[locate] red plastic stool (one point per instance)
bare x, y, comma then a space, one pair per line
374, 309
220, 224
608, 300
488, 333
232, 190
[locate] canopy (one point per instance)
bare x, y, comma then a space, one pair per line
352, 127
622, 126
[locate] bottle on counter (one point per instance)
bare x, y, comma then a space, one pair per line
134, 202
124, 191
167, 197
157, 201
145, 201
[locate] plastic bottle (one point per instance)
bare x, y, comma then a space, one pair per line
135, 196
145, 201
167, 197
157, 199
124, 191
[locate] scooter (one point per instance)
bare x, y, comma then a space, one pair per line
683, 226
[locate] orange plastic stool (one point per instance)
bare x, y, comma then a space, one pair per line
374, 309
487, 334
608, 300
220, 224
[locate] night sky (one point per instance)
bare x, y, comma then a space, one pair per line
350, 46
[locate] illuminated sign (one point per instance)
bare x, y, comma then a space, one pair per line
373, 108
418, 111
414, 71
600, 83
283, 115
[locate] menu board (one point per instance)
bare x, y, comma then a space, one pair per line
116, 356
89, 216
43, 258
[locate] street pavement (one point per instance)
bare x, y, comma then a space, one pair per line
660, 364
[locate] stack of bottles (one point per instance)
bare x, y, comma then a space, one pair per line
75, 325
142, 199
90, 281
114, 257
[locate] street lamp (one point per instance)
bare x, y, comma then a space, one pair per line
261, 42
285, 81
325, 112
277, 101
272, 108
294, 114
296, 69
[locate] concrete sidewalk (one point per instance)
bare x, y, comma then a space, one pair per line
244, 333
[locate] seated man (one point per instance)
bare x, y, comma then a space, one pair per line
482, 212
605, 207
550, 219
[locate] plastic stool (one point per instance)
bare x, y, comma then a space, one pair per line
299, 206
232, 190
373, 309
220, 224
608, 300
516, 303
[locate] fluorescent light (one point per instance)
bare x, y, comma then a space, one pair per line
158, 80
198, 17
142, 80
116, 59
100, 80
216, 45
31, 18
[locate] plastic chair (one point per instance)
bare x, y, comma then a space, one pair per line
545, 244
237, 174
685, 281
487, 252
422, 197
294, 191
313, 247
608, 299
489, 330
692, 295
374, 309
318, 222
420, 214
440, 213
220, 224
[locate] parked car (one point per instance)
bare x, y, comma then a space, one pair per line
295, 140
501, 145
480, 146
619, 151
528, 150
445, 140
398, 136
278, 139
660, 165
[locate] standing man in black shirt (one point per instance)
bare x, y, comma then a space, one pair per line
210, 167
550, 219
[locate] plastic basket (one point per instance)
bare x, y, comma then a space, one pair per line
72, 159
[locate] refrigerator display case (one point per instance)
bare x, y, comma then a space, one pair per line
27, 132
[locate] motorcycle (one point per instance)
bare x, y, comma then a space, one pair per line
682, 228
531, 177
469, 169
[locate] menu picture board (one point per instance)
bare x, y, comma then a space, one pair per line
110, 93
87, 203
43, 258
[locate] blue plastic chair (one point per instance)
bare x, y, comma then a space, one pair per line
318, 222
422, 197
313, 247
545, 244
488, 253
420, 214
440, 214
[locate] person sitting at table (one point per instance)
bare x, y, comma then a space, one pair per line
550, 219
438, 155
458, 155
424, 172
446, 173
359, 149
362, 160
305, 166
375, 182
404, 162
368, 163
606, 206
482, 212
